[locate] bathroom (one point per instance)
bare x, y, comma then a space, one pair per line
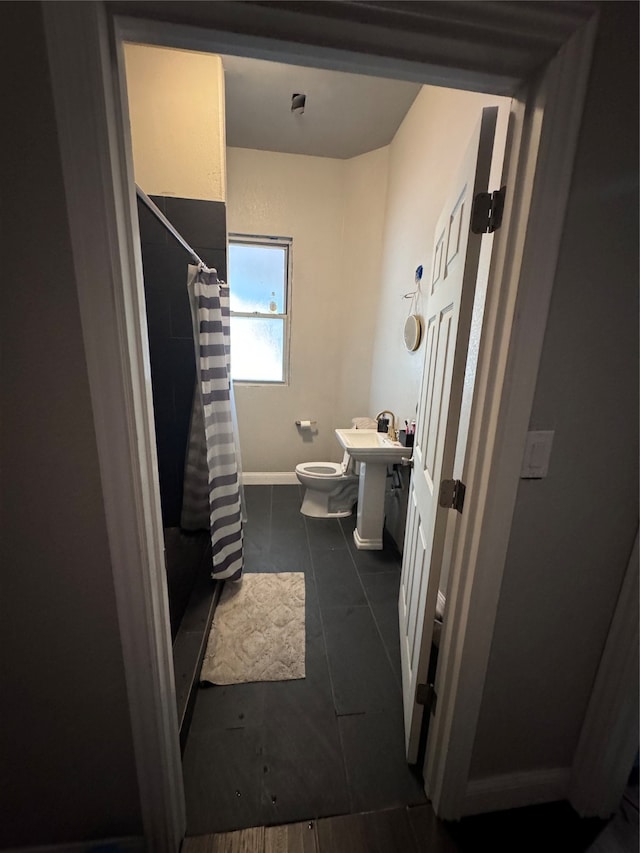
358, 227
358, 230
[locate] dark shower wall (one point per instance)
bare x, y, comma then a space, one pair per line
203, 225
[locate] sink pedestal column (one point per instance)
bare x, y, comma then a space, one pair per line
370, 518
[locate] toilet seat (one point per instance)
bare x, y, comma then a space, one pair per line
321, 470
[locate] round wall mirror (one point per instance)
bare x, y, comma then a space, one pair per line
413, 332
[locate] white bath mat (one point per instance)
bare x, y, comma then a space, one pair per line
258, 631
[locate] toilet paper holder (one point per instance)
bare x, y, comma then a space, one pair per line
303, 423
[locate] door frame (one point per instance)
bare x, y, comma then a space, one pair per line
523, 261
84, 42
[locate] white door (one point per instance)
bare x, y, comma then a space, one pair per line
448, 316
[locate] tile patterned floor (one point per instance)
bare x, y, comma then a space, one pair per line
333, 743
325, 755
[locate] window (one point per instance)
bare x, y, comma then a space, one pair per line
259, 275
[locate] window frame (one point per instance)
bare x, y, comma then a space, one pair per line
234, 238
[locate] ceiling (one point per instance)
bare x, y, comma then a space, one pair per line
345, 114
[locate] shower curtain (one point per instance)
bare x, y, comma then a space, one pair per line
212, 494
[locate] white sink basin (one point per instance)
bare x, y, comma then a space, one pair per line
368, 445
377, 451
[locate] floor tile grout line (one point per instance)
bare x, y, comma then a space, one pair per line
262, 745
355, 565
347, 775
333, 692
373, 616
368, 604
270, 528
384, 646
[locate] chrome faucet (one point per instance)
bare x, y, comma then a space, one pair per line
392, 431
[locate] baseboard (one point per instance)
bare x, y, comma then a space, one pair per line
187, 657
112, 845
269, 478
514, 790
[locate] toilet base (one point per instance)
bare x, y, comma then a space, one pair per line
315, 504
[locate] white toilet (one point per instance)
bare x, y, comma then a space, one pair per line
331, 487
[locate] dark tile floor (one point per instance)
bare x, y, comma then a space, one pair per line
332, 743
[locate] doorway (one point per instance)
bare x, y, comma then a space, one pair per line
367, 196
134, 408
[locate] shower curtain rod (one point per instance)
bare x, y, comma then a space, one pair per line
160, 215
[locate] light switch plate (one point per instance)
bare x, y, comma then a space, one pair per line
537, 452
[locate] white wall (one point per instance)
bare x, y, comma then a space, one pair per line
423, 155
176, 109
333, 210
365, 196
572, 533
426, 149
360, 229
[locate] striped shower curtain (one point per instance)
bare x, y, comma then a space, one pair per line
212, 495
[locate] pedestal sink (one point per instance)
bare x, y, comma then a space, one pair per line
374, 450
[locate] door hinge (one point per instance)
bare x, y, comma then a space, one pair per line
487, 210
426, 695
452, 494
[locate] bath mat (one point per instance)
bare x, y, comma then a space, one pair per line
258, 631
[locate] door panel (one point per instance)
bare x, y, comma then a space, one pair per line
448, 316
